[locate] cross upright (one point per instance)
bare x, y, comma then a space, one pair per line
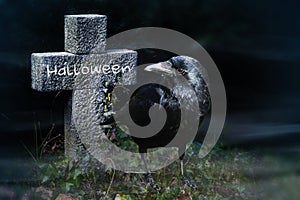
85, 41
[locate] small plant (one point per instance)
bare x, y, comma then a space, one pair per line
218, 176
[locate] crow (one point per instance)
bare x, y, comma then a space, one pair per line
148, 95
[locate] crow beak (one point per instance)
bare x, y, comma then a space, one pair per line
162, 68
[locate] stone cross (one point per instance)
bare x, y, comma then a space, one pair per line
85, 41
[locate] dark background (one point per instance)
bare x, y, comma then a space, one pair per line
255, 44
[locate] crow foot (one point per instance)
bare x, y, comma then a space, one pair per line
187, 183
151, 182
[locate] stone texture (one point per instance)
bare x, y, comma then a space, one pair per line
41, 62
42, 80
93, 90
55, 71
85, 40
85, 34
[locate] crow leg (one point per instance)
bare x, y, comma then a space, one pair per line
149, 177
186, 182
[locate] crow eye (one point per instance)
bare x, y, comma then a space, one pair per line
182, 71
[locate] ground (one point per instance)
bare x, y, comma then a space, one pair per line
223, 174
226, 173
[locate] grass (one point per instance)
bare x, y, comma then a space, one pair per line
221, 175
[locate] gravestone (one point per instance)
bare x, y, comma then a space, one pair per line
85, 58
